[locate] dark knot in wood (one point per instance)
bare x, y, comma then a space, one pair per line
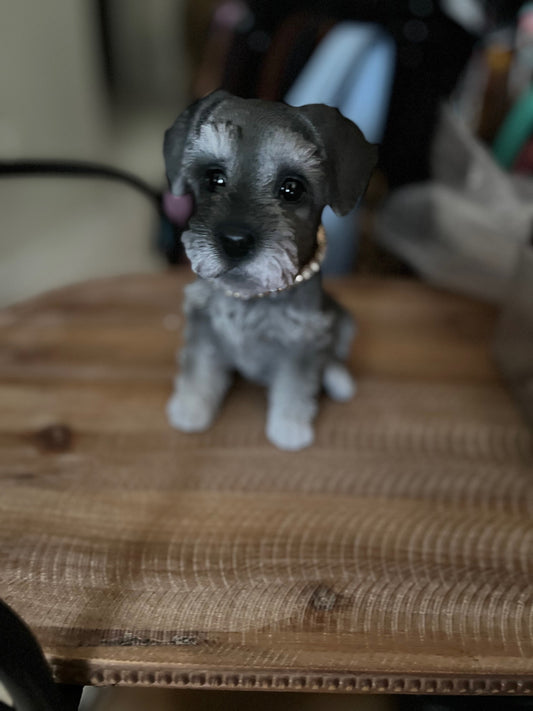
54, 438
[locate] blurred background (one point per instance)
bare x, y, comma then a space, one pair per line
445, 86
100, 80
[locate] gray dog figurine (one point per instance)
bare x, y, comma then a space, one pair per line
257, 175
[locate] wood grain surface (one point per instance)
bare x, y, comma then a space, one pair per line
396, 554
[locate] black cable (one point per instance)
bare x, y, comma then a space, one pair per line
167, 240
21, 168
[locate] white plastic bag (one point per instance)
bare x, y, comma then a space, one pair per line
464, 229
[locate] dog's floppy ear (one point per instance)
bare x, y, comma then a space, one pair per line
350, 158
177, 135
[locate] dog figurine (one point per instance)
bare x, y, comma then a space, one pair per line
252, 177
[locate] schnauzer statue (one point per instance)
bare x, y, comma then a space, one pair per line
251, 178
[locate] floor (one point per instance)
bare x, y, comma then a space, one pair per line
125, 699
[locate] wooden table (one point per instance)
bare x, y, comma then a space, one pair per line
395, 555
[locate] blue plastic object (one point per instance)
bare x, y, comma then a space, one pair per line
353, 70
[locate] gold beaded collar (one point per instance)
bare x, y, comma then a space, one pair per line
306, 272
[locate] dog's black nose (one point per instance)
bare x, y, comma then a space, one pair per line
236, 242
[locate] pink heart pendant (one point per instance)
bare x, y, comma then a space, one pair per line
178, 208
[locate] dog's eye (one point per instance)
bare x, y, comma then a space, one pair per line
215, 179
292, 189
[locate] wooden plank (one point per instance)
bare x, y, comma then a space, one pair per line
394, 554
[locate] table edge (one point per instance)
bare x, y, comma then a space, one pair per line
186, 677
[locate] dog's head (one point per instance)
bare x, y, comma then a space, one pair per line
260, 173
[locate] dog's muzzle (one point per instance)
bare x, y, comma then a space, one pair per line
306, 272
236, 242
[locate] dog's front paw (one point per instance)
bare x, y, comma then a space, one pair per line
290, 435
189, 413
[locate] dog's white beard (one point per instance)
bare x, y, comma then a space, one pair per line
275, 267
204, 260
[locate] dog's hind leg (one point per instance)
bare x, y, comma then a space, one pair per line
338, 382
200, 386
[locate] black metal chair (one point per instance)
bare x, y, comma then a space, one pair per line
25, 672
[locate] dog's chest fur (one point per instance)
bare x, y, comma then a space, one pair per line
257, 334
